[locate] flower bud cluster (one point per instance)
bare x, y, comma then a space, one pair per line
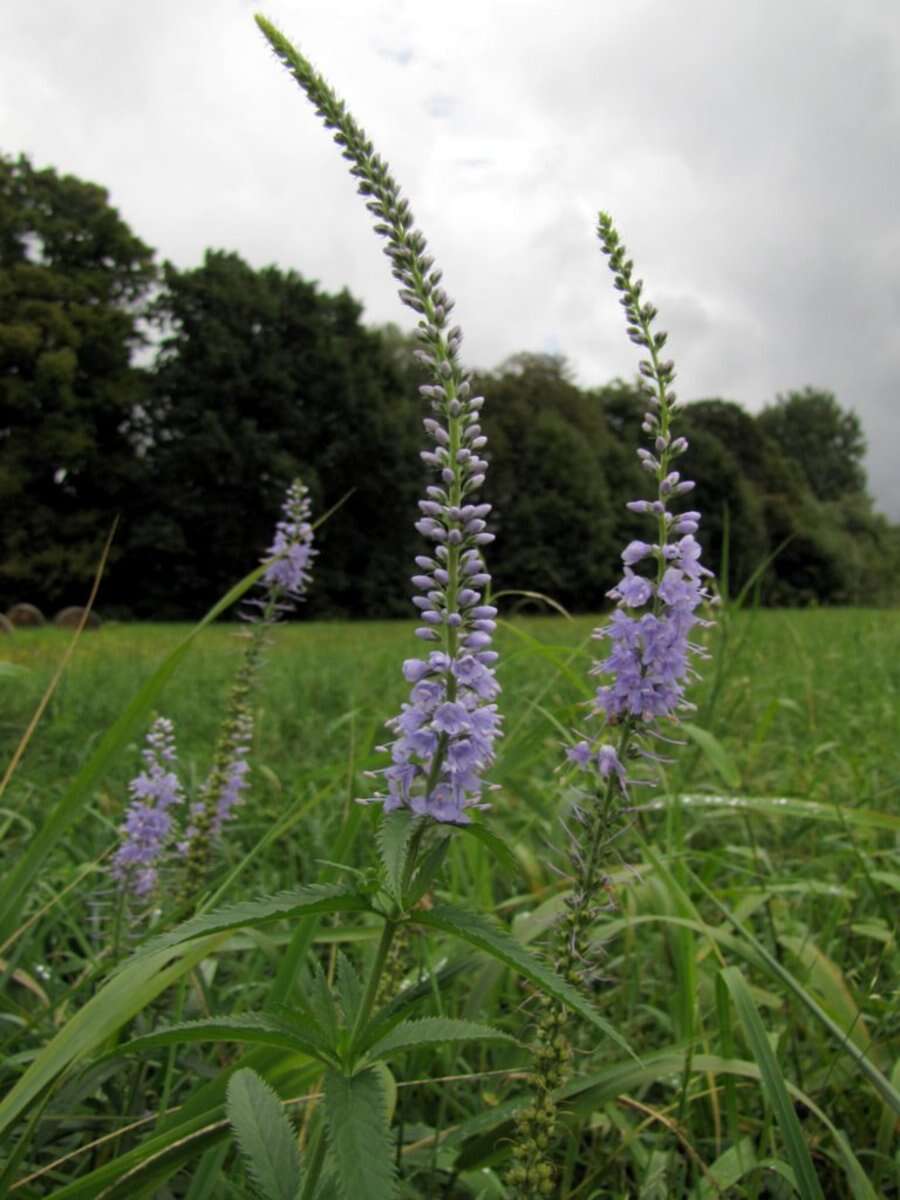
445, 734
148, 824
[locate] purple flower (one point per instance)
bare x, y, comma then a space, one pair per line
148, 826
445, 734
288, 575
648, 664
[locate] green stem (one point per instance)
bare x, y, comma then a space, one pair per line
415, 843
365, 1009
168, 1079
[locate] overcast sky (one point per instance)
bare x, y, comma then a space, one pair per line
749, 153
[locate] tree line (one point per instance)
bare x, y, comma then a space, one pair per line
252, 376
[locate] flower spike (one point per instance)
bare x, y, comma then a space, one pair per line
444, 736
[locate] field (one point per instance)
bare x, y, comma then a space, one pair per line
748, 944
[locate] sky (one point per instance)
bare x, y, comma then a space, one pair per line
748, 152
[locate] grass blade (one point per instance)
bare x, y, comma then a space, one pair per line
773, 1083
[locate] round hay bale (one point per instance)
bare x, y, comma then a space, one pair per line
25, 616
70, 618
5, 625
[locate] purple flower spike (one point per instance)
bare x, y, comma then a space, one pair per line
649, 661
289, 575
148, 826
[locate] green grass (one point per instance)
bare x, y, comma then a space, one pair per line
798, 901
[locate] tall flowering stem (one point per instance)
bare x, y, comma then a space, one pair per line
644, 675
444, 735
283, 585
643, 680
147, 830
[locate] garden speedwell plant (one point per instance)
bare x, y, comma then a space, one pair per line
151, 834
329, 1032
643, 682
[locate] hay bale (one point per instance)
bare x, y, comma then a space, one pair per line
70, 618
25, 616
5, 625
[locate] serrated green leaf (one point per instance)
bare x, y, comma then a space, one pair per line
318, 898
266, 1137
487, 935
187, 1132
430, 1031
393, 837
320, 1003
428, 868
349, 988
774, 1086
358, 1135
256, 1028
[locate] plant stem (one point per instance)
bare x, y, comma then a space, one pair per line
365, 1009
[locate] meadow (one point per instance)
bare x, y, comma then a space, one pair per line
749, 953
661, 965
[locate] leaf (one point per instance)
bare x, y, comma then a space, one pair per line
318, 898
205, 1179
393, 837
349, 988
266, 1138
715, 753
487, 935
319, 1001
358, 1136
825, 977
430, 1031
124, 995
781, 806
255, 1028
774, 1086
889, 1094
428, 868
496, 845
186, 1133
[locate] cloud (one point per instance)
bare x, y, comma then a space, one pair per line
747, 153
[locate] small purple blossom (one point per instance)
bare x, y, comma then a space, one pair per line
148, 826
289, 574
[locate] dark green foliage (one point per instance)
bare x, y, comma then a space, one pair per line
552, 505
265, 1135
263, 377
824, 440
358, 1135
73, 278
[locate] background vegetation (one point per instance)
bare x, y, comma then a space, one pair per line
770, 847
255, 375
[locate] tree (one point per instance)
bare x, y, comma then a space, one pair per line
73, 278
552, 512
824, 440
261, 377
